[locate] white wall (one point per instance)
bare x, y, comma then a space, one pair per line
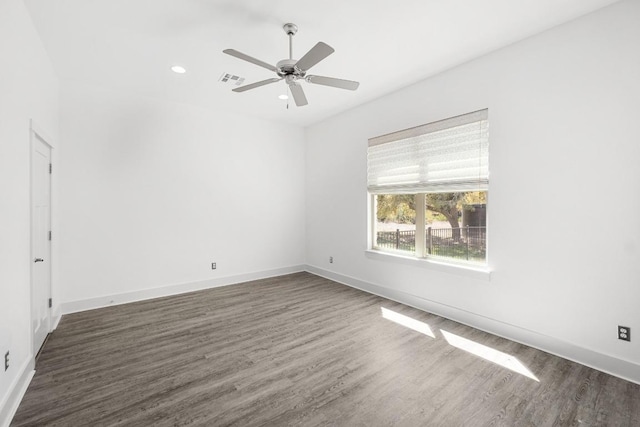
152, 192
564, 192
28, 90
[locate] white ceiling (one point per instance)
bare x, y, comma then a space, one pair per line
385, 45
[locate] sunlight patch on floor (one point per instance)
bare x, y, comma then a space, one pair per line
487, 353
492, 355
407, 322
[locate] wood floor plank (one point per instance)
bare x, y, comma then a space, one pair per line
301, 350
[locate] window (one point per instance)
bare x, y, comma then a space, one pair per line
428, 189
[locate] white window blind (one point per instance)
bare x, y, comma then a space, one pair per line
445, 156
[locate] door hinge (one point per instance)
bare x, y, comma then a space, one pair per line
50, 302
49, 234
50, 168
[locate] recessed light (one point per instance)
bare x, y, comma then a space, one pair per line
283, 97
178, 69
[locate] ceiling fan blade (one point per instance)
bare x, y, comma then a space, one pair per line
298, 94
330, 81
256, 84
251, 59
316, 54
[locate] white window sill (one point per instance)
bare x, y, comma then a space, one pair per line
476, 272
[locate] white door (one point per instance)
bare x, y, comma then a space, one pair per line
40, 243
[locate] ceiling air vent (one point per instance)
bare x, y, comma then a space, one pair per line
231, 79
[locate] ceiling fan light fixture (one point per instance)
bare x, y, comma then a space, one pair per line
178, 69
283, 97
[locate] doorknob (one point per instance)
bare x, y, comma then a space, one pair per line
38, 260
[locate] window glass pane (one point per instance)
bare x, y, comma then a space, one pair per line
396, 222
457, 225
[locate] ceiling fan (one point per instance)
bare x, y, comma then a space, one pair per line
291, 70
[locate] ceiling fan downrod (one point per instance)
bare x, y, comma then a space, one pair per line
291, 30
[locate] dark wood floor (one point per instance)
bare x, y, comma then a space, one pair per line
302, 350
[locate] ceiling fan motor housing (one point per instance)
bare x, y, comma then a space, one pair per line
287, 67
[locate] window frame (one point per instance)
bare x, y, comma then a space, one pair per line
421, 255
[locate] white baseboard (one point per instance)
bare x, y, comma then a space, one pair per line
16, 391
55, 318
145, 294
621, 368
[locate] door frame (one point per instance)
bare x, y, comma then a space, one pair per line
35, 132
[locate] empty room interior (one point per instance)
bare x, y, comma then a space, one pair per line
420, 213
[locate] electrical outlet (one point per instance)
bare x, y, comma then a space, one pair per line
213, 265
6, 360
624, 333
330, 260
